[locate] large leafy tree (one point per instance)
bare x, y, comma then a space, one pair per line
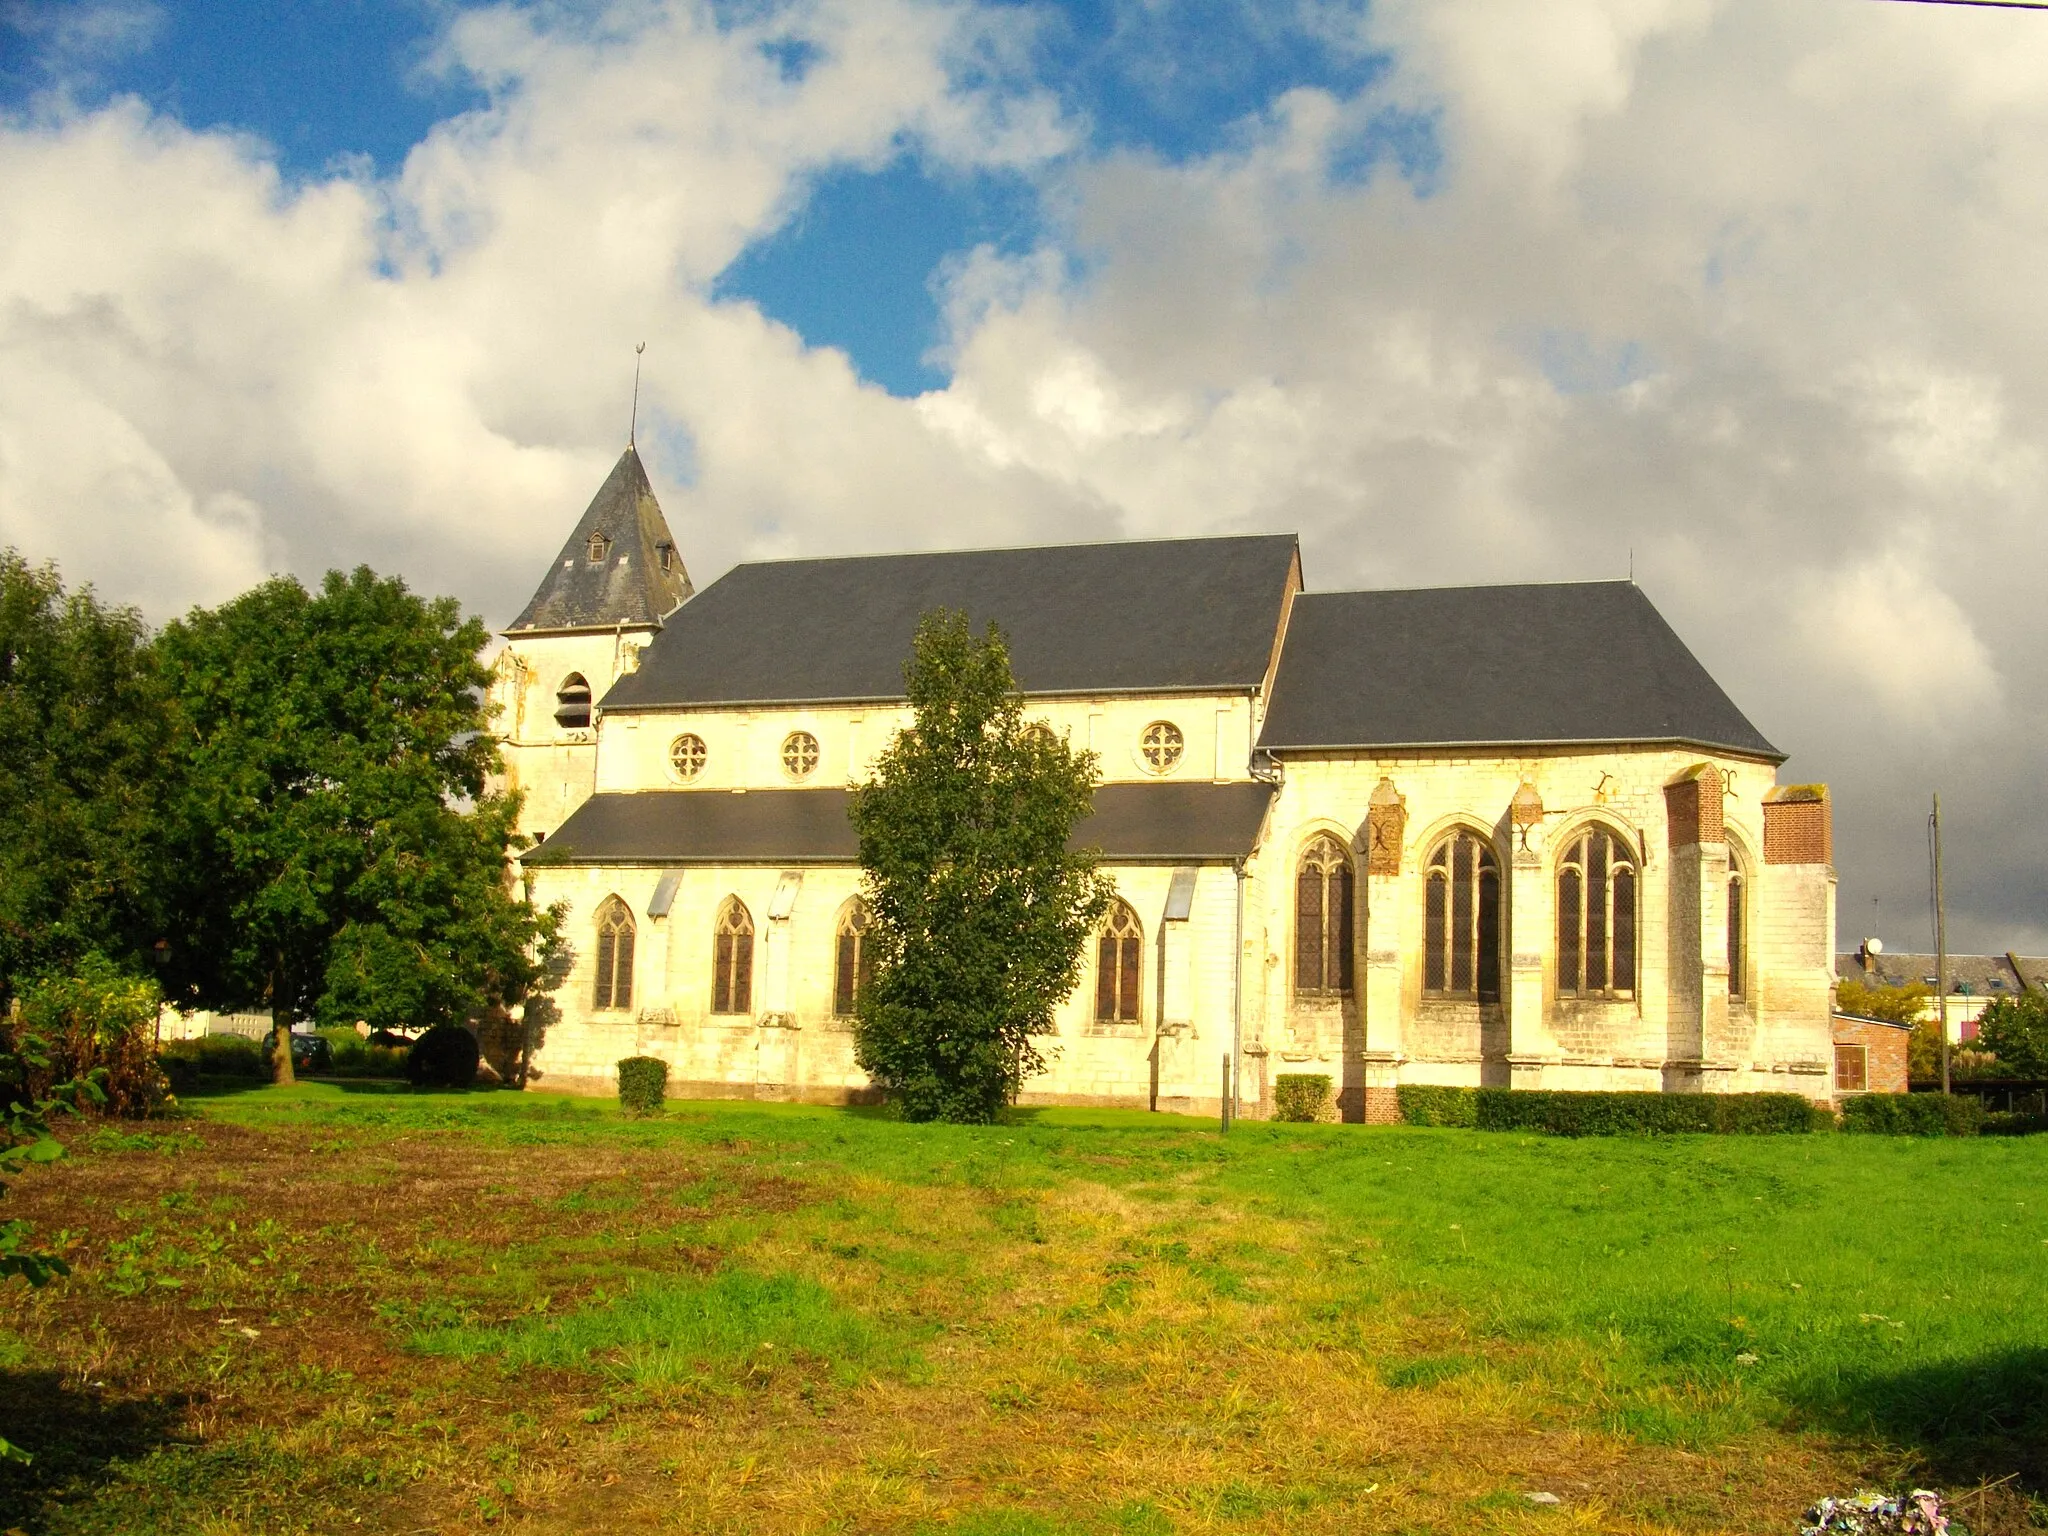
84, 765
2015, 1030
980, 910
341, 854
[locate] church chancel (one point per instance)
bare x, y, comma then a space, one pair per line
1502, 835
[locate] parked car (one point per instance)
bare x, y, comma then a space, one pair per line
310, 1053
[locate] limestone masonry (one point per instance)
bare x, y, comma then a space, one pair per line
1507, 835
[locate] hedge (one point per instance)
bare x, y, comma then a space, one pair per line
1611, 1114
1301, 1096
1914, 1114
643, 1083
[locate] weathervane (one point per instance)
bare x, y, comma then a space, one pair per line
633, 427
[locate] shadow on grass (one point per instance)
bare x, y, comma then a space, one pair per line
74, 1439
1971, 1421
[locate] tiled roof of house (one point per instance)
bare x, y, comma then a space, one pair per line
632, 574
1581, 662
1981, 975
1153, 822
1152, 615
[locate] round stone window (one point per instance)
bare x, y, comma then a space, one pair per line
799, 754
1161, 745
686, 755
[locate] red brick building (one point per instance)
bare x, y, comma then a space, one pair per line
1870, 1055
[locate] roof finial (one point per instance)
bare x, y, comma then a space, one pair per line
633, 427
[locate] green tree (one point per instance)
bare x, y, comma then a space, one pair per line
340, 852
980, 910
1895, 1005
85, 769
2015, 1030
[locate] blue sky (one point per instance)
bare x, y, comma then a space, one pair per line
345, 82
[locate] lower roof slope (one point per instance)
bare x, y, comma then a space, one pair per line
1190, 822
1080, 618
1572, 663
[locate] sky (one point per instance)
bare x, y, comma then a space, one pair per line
1740, 296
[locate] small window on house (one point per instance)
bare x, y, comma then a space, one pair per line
598, 547
1852, 1068
1161, 745
732, 959
572, 703
799, 754
1596, 916
686, 756
853, 965
1738, 935
1322, 920
1461, 919
614, 988
1116, 967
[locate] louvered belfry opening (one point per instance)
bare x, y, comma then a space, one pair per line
572, 703
614, 985
1461, 919
1117, 959
853, 967
732, 959
1596, 916
1322, 920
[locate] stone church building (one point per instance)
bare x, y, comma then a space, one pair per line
1506, 835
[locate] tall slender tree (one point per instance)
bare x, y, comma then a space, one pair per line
341, 855
980, 908
84, 770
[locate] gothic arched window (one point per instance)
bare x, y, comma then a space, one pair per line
1322, 919
1461, 919
1116, 967
1596, 916
1738, 924
853, 965
572, 703
732, 959
614, 987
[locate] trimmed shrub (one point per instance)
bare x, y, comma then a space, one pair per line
2014, 1122
1559, 1113
643, 1083
212, 1056
1301, 1096
1913, 1114
444, 1057
1435, 1104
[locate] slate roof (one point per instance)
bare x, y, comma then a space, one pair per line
1181, 822
628, 585
1080, 618
1578, 663
1984, 975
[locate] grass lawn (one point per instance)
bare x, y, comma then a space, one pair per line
328, 1309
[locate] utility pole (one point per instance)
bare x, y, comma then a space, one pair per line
1940, 947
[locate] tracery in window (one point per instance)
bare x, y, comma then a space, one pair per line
853, 966
1116, 967
799, 754
1322, 919
1039, 734
1596, 916
1161, 745
1738, 919
572, 703
614, 987
1461, 919
732, 959
686, 756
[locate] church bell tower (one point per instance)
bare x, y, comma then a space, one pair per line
604, 597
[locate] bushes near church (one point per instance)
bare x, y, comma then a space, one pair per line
1914, 1114
1301, 1096
1611, 1114
643, 1084
444, 1057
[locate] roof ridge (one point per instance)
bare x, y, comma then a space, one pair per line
1013, 549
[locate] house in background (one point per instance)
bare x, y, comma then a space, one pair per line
1511, 835
1973, 980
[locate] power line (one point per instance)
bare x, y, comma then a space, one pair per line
1996, 5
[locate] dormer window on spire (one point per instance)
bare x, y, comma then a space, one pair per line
600, 546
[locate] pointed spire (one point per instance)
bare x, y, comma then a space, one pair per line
620, 566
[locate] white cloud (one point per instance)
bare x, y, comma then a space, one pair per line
1781, 258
